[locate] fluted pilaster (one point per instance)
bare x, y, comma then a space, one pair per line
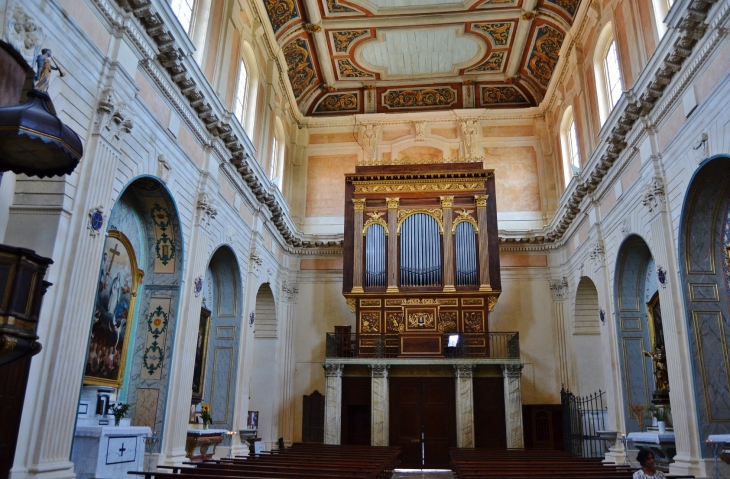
392, 244
464, 405
446, 205
359, 205
485, 284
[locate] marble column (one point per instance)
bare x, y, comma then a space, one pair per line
332, 402
512, 374
380, 406
357, 249
446, 204
392, 244
481, 201
464, 405
559, 290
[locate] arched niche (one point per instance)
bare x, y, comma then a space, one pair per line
636, 285
219, 331
587, 339
146, 216
264, 388
704, 243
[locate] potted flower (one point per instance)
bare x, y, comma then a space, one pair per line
661, 414
119, 410
205, 415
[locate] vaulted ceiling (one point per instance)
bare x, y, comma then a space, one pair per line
377, 56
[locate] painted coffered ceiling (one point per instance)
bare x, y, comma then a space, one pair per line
379, 56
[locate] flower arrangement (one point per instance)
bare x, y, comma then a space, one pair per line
205, 415
119, 410
661, 413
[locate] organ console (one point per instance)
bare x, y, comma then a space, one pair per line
421, 256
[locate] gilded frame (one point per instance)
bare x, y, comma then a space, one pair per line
136, 276
653, 302
201, 351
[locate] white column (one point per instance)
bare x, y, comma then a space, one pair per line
559, 289
379, 409
464, 405
286, 418
512, 374
333, 403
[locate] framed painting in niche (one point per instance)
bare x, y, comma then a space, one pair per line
201, 354
116, 294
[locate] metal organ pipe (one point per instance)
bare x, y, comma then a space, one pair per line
466, 256
420, 251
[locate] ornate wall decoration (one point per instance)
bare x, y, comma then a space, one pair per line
469, 134
473, 321
300, 65
339, 102
559, 288
23, 33
96, 221
370, 322
376, 218
447, 321
281, 12
596, 253
435, 213
335, 7
465, 216
472, 302
570, 6
165, 247
419, 187
491, 64
164, 168
500, 2
653, 195
394, 322
343, 39
370, 303
114, 118
348, 70
491, 303
157, 321
351, 303
502, 95
545, 53
498, 31
369, 139
419, 98
421, 320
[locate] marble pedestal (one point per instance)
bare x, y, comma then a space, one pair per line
108, 452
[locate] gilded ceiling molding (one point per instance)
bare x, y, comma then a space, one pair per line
342, 40
346, 102
345, 69
281, 12
419, 97
498, 33
545, 53
568, 6
301, 68
492, 64
501, 95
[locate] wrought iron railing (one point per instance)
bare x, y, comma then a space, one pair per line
583, 417
454, 345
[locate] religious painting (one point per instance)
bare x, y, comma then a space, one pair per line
201, 354
116, 293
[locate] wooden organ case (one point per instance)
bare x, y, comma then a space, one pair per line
421, 259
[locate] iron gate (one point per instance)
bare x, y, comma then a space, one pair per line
583, 417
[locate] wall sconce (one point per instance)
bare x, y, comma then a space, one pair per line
251, 319
602, 315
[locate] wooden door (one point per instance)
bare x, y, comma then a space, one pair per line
423, 420
489, 417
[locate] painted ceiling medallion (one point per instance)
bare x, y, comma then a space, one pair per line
419, 98
301, 69
545, 54
420, 52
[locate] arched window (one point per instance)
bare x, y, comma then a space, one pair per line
251, 90
375, 247
276, 169
183, 10
466, 255
420, 251
661, 9
239, 109
569, 144
608, 72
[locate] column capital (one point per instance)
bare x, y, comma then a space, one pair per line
392, 203
465, 371
559, 288
333, 370
481, 200
379, 370
512, 370
359, 203
447, 201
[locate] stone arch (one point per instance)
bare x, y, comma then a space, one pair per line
587, 338
264, 373
635, 280
214, 380
145, 213
704, 254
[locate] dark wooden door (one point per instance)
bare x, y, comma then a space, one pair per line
489, 417
423, 420
356, 400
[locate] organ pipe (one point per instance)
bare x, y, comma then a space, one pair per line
466, 255
420, 251
375, 256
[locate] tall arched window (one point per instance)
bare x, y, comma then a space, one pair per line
183, 10
375, 247
569, 144
276, 164
661, 9
608, 72
251, 91
239, 108
420, 251
466, 254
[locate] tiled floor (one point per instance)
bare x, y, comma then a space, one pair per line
422, 474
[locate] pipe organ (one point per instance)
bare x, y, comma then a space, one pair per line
421, 256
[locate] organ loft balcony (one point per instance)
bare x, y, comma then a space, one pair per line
421, 265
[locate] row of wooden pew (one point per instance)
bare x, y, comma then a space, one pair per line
301, 461
532, 464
